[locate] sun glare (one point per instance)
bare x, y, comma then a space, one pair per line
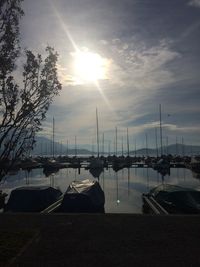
89, 67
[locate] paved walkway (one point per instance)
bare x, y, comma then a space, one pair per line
107, 240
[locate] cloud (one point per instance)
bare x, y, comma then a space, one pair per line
152, 55
129, 65
195, 3
181, 129
135, 73
142, 67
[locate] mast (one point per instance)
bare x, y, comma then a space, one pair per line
183, 148
41, 149
135, 149
122, 147
156, 136
103, 145
67, 147
127, 142
92, 147
167, 143
97, 133
75, 146
116, 141
161, 146
109, 148
147, 154
61, 148
53, 152
46, 148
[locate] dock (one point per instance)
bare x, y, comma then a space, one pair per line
114, 162
153, 206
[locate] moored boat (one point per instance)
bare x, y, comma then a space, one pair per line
52, 166
83, 196
29, 163
31, 198
96, 163
162, 166
195, 164
175, 199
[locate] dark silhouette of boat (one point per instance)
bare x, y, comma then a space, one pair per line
162, 166
175, 199
195, 164
196, 175
118, 163
96, 163
83, 196
29, 163
52, 166
49, 171
96, 172
32, 198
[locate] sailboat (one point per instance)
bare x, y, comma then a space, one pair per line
51, 165
118, 163
96, 163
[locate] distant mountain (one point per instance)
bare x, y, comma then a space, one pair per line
44, 147
174, 149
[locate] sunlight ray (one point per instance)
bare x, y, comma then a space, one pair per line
64, 27
103, 96
77, 50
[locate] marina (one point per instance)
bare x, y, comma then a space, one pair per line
99, 133
123, 187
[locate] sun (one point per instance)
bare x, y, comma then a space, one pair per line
89, 66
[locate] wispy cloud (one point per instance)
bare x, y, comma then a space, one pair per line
142, 67
195, 3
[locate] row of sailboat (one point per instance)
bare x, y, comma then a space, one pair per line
116, 140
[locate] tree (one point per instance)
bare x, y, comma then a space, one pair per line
22, 106
10, 14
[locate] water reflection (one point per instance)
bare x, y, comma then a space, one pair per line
196, 175
96, 172
123, 189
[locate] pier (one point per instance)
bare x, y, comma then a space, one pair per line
153, 205
108, 162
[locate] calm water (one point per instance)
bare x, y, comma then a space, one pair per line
123, 190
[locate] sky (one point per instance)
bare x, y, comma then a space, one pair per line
144, 54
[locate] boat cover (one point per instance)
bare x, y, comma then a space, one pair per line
32, 198
83, 196
177, 199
